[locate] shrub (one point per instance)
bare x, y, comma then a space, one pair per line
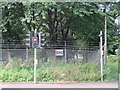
59, 72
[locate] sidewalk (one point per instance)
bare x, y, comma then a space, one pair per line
60, 85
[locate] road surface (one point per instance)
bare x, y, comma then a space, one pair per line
113, 85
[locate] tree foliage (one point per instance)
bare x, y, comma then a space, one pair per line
13, 30
74, 22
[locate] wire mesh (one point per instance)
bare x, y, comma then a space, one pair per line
54, 62
73, 53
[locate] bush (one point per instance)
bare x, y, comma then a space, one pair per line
59, 72
111, 71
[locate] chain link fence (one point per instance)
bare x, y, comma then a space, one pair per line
51, 54
62, 63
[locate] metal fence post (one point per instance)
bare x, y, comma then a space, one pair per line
1, 35
65, 54
26, 54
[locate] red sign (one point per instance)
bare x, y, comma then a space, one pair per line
35, 39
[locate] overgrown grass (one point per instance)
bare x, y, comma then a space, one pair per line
111, 70
78, 72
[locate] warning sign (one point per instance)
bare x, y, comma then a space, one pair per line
59, 52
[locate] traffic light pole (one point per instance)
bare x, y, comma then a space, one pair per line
35, 65
35, 61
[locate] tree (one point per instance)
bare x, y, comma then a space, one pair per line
13, 30
67, 21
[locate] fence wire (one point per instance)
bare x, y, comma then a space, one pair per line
51, 53
54, 63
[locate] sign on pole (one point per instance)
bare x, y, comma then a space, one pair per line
59, 52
